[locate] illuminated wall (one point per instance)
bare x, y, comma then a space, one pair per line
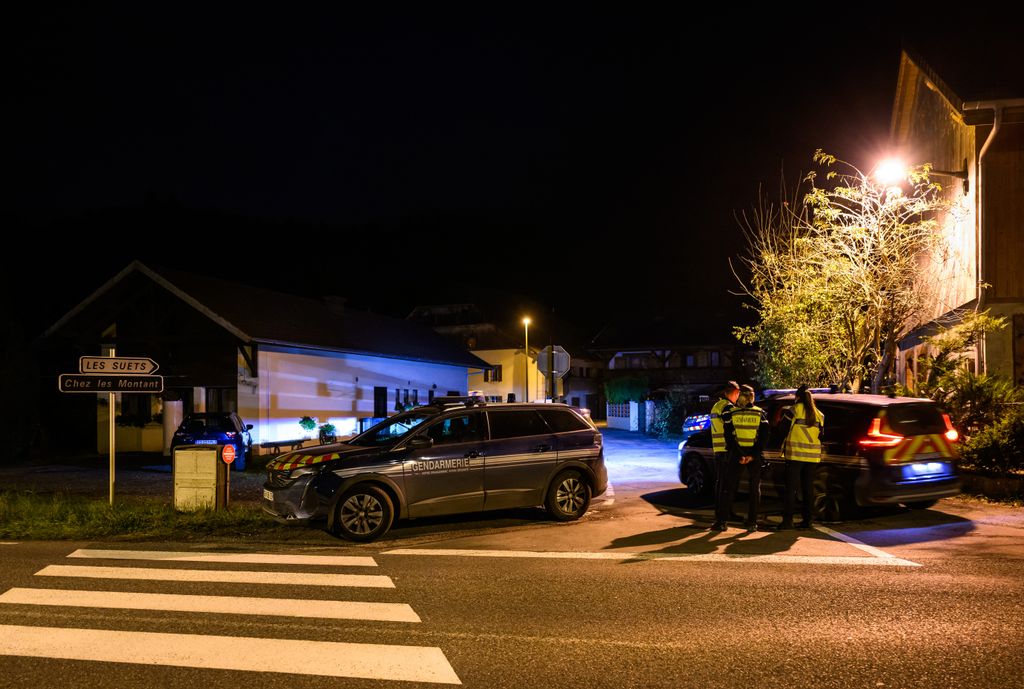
331, 387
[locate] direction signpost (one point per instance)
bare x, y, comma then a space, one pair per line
111, 375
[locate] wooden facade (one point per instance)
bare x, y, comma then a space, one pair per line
932, 124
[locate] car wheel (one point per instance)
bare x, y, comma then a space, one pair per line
833, 496
364, 513
568, 496
920, 504
694, 475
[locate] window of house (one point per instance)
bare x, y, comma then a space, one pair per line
493, 375
690, 361
702, 359
715, 359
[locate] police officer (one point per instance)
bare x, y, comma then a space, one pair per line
802, 452
721, 414
746, 437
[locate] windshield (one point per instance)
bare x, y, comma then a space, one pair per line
390, 430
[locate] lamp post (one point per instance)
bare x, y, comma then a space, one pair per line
526, 351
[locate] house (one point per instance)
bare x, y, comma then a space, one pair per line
688, 355
500, 342
272, 357
968, 122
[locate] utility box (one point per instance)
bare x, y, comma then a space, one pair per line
201, 478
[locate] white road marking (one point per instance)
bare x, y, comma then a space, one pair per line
8, 543
703, 557
230, 605
609, 495
243, 558
284, 578
860, 545
320, 658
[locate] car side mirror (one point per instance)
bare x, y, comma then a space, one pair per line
248, 426
420, 442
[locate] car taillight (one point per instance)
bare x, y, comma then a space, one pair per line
230, 435
951, 434
876, 438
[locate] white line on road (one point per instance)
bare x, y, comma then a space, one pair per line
230, 605
860, 545
243, 558
153, 574
320, 658
8, 543
701, 557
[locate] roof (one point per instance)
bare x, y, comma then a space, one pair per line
254, 314
850, 398
979, 66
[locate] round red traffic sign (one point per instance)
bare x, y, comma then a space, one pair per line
228, 454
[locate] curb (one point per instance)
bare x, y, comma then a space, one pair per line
993, 487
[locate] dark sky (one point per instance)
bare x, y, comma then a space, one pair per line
589, 160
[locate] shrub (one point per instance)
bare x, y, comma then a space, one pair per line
1000, 447
669, 414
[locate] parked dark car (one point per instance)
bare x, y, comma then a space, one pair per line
216, 428
876, 450
455, 455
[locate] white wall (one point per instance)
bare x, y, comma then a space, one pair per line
332, 387
512, 380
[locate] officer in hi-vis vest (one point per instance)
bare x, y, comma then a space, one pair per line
721, 414
802, 452
746, 441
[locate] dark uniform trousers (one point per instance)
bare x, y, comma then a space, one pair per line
729, 470
799, 474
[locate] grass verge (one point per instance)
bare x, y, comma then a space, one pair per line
26, 515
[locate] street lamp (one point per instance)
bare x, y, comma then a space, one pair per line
892, 171
526, 348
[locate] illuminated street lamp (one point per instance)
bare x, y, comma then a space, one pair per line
893, 171
526, 348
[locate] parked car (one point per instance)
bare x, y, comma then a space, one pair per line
216, 428
876, 450
455, 455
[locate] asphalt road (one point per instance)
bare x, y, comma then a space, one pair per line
636, 594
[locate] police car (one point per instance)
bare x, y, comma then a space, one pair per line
453, 456
876, 450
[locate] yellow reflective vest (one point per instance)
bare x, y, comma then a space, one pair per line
722, 409
747, 422
803, 442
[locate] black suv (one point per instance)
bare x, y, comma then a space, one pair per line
455, 455
216, 428
876, 450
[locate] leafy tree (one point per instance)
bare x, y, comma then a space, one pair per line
836, 278
626, 389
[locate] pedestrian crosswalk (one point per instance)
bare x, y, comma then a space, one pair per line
238, 653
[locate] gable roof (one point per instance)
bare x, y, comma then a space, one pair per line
254, 314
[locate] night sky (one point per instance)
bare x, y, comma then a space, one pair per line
581, 159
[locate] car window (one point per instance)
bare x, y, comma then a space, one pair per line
563, 420
916, 418
390, 430
193, 426
463, 428
845, 423
516, 424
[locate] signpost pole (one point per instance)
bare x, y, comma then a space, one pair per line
113, 432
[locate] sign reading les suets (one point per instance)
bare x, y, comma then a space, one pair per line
117, 365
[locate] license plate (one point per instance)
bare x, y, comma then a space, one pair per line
206, 442
268, 495
926, 470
